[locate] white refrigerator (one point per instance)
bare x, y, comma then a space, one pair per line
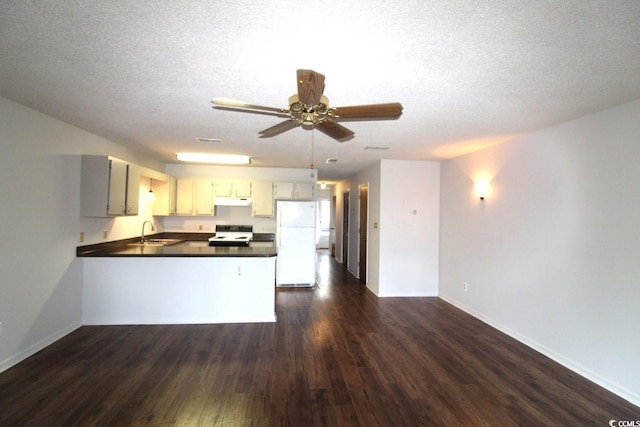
296, 243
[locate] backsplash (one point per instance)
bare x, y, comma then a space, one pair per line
240, 215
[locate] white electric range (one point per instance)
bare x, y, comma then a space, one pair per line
232, 235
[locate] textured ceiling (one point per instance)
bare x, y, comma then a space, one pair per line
469, 73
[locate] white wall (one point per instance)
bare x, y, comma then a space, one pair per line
403, 250
41, 279
551, 256
409, 228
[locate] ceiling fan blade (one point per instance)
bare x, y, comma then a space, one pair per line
391, 110
279, 128
335, 130
242, 110
310, 87
240, 104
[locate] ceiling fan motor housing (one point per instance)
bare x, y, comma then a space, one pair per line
308, 115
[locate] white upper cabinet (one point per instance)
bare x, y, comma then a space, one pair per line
232, 188
262, 198
291, 190
165, 193
304, 190
283, 190
108, 187
203, 200
194, 197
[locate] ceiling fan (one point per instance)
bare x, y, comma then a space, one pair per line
310, 109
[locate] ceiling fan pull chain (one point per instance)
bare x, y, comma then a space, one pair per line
312, 166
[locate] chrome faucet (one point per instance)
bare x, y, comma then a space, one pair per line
142, 239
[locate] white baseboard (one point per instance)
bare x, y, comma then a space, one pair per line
178, 321
567, 363
36, 347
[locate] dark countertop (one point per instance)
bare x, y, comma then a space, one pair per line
191, 245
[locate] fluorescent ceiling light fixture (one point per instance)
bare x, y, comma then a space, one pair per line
227, 159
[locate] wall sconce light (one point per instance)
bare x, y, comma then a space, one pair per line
482, 188
323, 185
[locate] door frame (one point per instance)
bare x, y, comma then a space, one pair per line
346, 225
332, 226
363, 231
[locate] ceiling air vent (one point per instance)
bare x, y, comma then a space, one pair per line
331, 161
210, 140
368, 147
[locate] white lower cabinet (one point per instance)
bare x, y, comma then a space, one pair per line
178, 290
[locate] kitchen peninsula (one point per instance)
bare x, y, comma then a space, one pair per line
184, 282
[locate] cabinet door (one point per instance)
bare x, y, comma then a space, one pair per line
132, 202
173, 195
165, 202
117, 202
304, 190
204, 197
184, 196
109, 187
262, 198
94, 186
283, 190
223, 187
241, 188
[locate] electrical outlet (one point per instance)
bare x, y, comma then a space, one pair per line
0, 328
200, 227
105, 233
466, 287
81, 236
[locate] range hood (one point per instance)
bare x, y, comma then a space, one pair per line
232, 201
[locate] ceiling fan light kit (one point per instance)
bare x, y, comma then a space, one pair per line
309, 109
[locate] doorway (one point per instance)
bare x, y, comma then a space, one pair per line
345, 229
323, 219
363, 228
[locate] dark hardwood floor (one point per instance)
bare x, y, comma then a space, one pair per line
338, 356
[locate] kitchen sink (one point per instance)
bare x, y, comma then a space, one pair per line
156, 242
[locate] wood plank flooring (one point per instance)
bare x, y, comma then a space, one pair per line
338, 356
